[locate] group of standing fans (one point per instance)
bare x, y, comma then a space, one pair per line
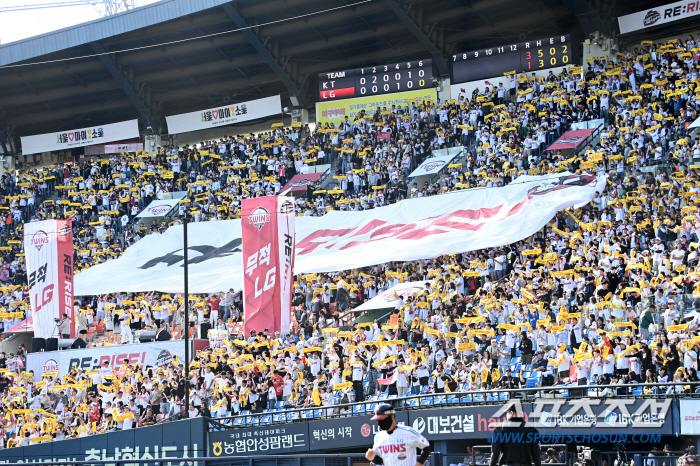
595, 297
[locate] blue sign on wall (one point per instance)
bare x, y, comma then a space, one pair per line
179, 440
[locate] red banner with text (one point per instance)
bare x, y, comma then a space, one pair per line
268, 248
49, 255
64, 260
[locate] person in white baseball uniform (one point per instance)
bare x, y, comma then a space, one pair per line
396, 445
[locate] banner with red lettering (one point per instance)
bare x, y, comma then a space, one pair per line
48, 247
156, 354
267, 228
64, 259
420, 228
431, 226
285, 244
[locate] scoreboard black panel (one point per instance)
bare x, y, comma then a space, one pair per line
531, 55
375, 80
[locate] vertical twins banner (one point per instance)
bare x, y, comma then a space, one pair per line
267, 225
48, 246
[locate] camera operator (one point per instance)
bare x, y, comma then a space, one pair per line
523, 453
509, 381
63, 326
552, 456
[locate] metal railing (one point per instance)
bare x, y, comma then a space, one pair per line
457, 398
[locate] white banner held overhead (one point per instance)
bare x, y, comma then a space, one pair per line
386, 299
119, 148
224, 115
661, 14
431, 226
155, 262
412, 229
159, 208
431, 165
61, 140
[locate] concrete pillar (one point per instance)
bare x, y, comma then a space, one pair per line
601, 48
444, 94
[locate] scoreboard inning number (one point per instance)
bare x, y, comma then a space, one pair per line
374, 80
531, 55
388, 83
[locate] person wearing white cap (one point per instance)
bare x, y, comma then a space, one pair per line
671, 313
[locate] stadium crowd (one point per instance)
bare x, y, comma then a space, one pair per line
596, 297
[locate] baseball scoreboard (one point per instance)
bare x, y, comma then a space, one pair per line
375, 80
531, 55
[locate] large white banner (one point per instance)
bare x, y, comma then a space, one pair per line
411, 229
158, 208
155, 262
658, 15
225, 115
145, 354
428, 227
80, 137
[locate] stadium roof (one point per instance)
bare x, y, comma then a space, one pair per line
278, 48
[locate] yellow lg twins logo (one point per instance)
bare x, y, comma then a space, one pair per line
217, 448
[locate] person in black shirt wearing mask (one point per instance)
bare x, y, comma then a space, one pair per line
524, 452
